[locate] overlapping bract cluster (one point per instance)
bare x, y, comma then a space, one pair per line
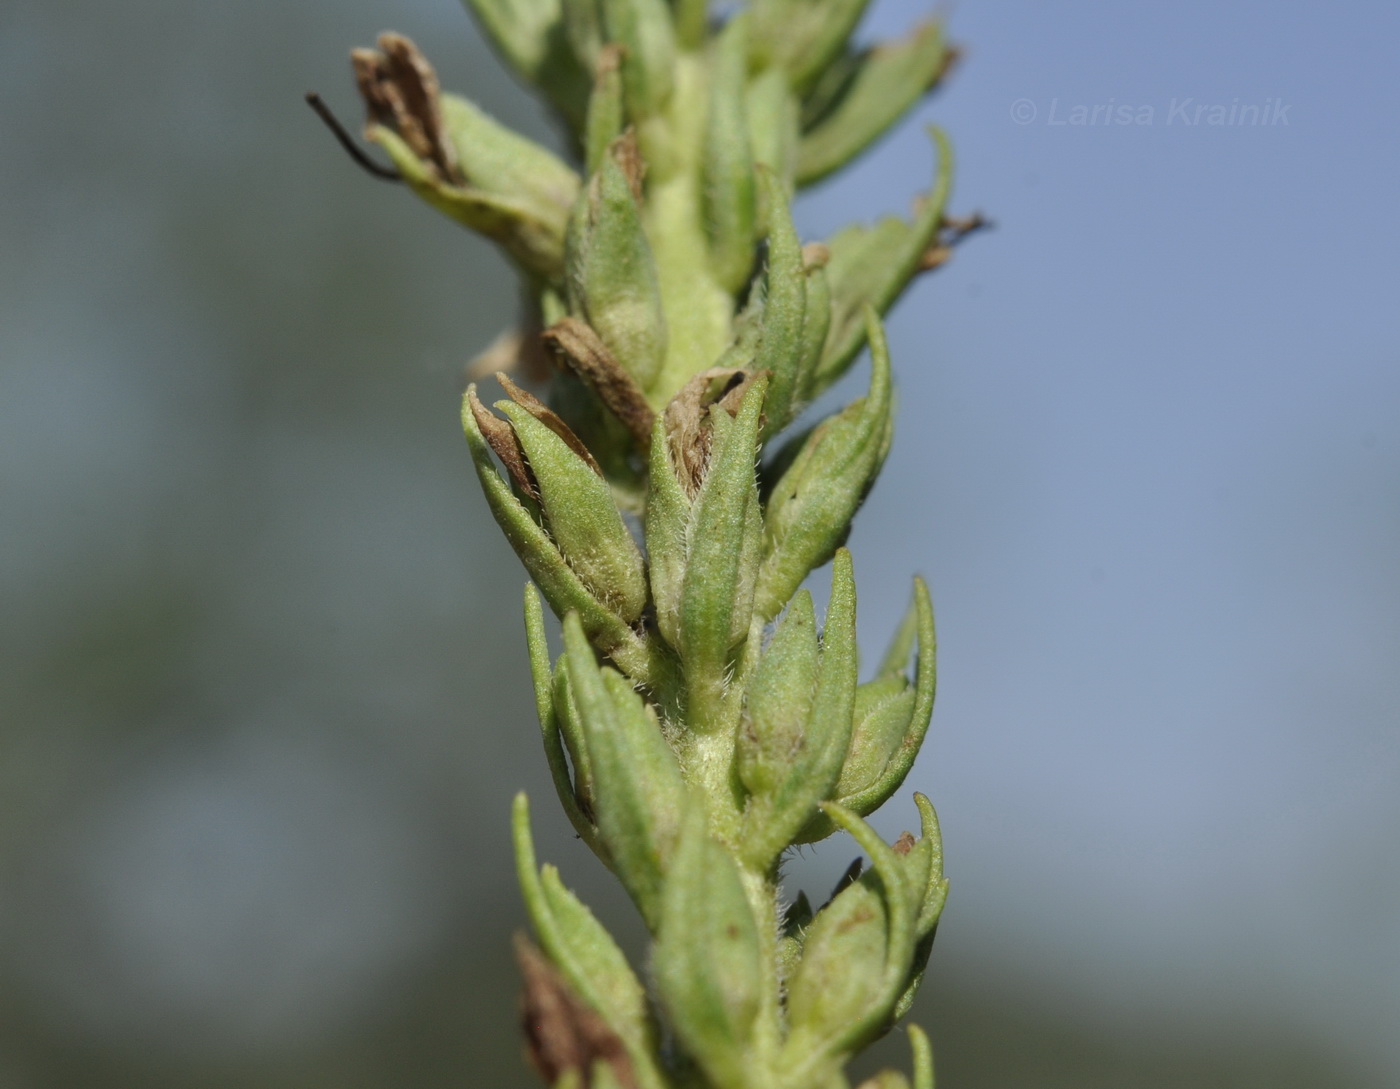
698, 724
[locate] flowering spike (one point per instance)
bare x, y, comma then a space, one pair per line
687, 325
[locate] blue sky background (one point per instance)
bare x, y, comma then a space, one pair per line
1159, 411
266, 698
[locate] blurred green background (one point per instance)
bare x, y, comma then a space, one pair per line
264, 698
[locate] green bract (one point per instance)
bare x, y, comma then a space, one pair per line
699, 723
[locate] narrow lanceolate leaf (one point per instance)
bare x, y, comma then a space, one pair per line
856, 961
841, 976
564, 1035
562, 588
644, 30
723, 537
816, 319
581, 516
871, 267
639, 797
883, 709
708, 960
530, 240
667, 516
929, 890
497, 160
896, 659
584, 953
923, 1058
550, 722
780, 348
888, 80
773, 120
877, 790
802, 37
778, 701
575, 740
729, 203
811, 507
935, 890
774, 816
612, 280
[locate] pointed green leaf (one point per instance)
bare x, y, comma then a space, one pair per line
896, 658
724, 535
498, 160
774, 131
802, 37
612, 281
778, 700
550, 726
584, 953
841, 975
645, 31
868, 799
582, 518
639, 797
929, 891
561, 587
923, 1058
708, 959
882, 922
883, 711
811, 507
780, 350
871, 267
667, 515
775, 816
816, 324
889, 79
935, 889
540, 671
531, 239
575, 741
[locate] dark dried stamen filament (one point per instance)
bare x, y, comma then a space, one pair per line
347, 142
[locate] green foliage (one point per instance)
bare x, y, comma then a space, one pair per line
698, 724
